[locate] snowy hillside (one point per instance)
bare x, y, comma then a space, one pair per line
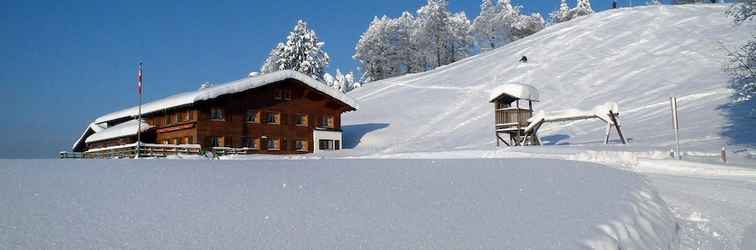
636, 57
329, 204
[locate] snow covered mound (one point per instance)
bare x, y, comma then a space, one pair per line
637, 57
329, 204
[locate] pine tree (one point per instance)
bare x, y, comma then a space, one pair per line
302, 52
583, 9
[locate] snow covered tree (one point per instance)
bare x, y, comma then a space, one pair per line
434, 33
583, 8
272, 62
372, 50
742, 66
527, 25
328, 79
461, 43
742, 11
406, 55
562, 14
486, 31
342, 82
302, 52
742, 63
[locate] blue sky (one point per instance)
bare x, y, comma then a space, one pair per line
67, 62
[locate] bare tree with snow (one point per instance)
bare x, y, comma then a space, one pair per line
433, 32
488, 35
372, 50
742, 62
302, 52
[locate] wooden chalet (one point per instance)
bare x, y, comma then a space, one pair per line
285, 112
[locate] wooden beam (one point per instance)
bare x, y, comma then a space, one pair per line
617, 126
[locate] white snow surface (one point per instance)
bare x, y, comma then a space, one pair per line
124, 129
329, 204
636, 57
517, 90
228, 88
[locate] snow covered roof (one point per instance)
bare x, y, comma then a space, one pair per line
124, 129
228, 88
92, 127
516, 90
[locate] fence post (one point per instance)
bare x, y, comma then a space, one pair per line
676, 125
724, 154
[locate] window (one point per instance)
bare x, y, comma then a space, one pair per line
176, 118
167, 120
273, 144
216, 114
252, 116
273, 118
166, 142
217, 141
187, 116
301, 145
327, 122
337, 145
326, 145
246, 142
186, 140
175, 141
301, 120
282, 94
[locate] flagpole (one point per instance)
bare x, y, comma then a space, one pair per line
139, 117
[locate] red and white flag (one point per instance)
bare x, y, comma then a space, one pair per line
139, 79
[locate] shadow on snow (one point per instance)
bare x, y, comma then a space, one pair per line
740, 127
353, 133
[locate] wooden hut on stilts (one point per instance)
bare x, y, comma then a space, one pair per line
513, 106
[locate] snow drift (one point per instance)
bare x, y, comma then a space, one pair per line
637, 57
329, 204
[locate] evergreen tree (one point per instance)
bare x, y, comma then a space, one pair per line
562, 14
302, 52
583, 9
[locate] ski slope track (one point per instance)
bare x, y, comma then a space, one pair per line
636, 57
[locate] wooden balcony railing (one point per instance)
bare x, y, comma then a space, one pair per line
512, 117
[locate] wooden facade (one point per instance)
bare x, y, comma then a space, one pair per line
277, 118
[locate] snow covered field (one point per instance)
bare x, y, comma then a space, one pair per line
636, 57
329, 204
420, 168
